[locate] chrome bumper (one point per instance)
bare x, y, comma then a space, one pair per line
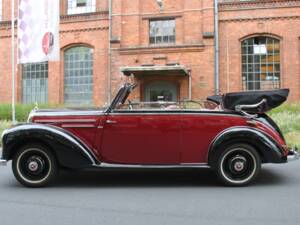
3, 162
293, 155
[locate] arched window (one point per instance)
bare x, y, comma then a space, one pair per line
261, 63
78, 76
35, 83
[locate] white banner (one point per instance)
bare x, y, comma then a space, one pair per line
38, 31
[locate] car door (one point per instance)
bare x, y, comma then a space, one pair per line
199, 129
146, 138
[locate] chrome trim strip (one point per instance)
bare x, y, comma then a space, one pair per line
66, 121
100, 127
77, 126
58, 132
198, 113
3, 162
130, 166
71, 113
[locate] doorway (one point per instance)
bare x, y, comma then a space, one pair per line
161, 91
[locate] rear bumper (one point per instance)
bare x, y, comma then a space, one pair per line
293, 155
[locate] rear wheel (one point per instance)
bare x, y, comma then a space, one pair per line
34, 166
238, 165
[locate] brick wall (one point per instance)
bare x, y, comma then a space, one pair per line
277, 18
194, 46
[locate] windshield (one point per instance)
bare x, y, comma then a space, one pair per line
123, 102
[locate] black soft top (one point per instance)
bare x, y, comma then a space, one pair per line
261, 101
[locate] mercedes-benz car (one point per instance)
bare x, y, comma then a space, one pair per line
230, 134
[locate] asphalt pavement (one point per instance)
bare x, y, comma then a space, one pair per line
154, 197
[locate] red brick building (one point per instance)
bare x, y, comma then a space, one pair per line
169, 50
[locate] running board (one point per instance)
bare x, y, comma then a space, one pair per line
128, 166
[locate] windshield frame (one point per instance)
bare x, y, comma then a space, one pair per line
121, 96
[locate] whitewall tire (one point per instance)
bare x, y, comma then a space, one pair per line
238, 165
34, 166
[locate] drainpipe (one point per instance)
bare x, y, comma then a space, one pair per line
109, 69
190, 86
217, 48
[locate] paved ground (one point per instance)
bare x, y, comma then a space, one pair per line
153, 197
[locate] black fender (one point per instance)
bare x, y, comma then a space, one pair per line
267, 147
68, 149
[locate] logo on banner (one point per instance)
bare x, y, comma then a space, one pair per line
48, 43
38, 32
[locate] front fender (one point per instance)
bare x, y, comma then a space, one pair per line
69, 150
268, 148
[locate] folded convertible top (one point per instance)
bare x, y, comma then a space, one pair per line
268, 99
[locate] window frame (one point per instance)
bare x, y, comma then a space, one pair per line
40, 74
171, 38
86, 66
261, 70
1, 10
73, 8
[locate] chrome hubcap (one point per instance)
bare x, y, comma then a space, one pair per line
238, 164
33, 166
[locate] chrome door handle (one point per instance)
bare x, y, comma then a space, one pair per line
111, 122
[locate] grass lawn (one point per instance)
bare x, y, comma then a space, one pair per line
287, 117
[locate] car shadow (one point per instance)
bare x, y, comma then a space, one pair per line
147, 178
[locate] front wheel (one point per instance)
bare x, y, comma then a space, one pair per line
238, 165
34, 166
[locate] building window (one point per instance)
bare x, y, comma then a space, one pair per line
35, 83
162, 31
261, 63
78, 76
0, 10
81, 6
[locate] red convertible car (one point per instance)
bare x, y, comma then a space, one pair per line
231, 134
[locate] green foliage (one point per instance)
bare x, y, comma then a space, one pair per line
22, 111
4, 125
287, 118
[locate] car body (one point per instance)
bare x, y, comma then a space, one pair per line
234, 143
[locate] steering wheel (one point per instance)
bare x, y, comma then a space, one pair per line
130, 105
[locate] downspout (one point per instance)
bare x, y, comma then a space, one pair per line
190, 86
109, 69
217, 47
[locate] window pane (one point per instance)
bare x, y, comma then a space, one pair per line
35, 83
162, 31
261, 63
81, 6
78, 81
0, 10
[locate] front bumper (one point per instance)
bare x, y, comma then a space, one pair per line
293, 155
3, 162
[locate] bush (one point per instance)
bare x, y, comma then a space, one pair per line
287, 118
22, 111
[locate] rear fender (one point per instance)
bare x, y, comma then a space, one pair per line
268, 148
